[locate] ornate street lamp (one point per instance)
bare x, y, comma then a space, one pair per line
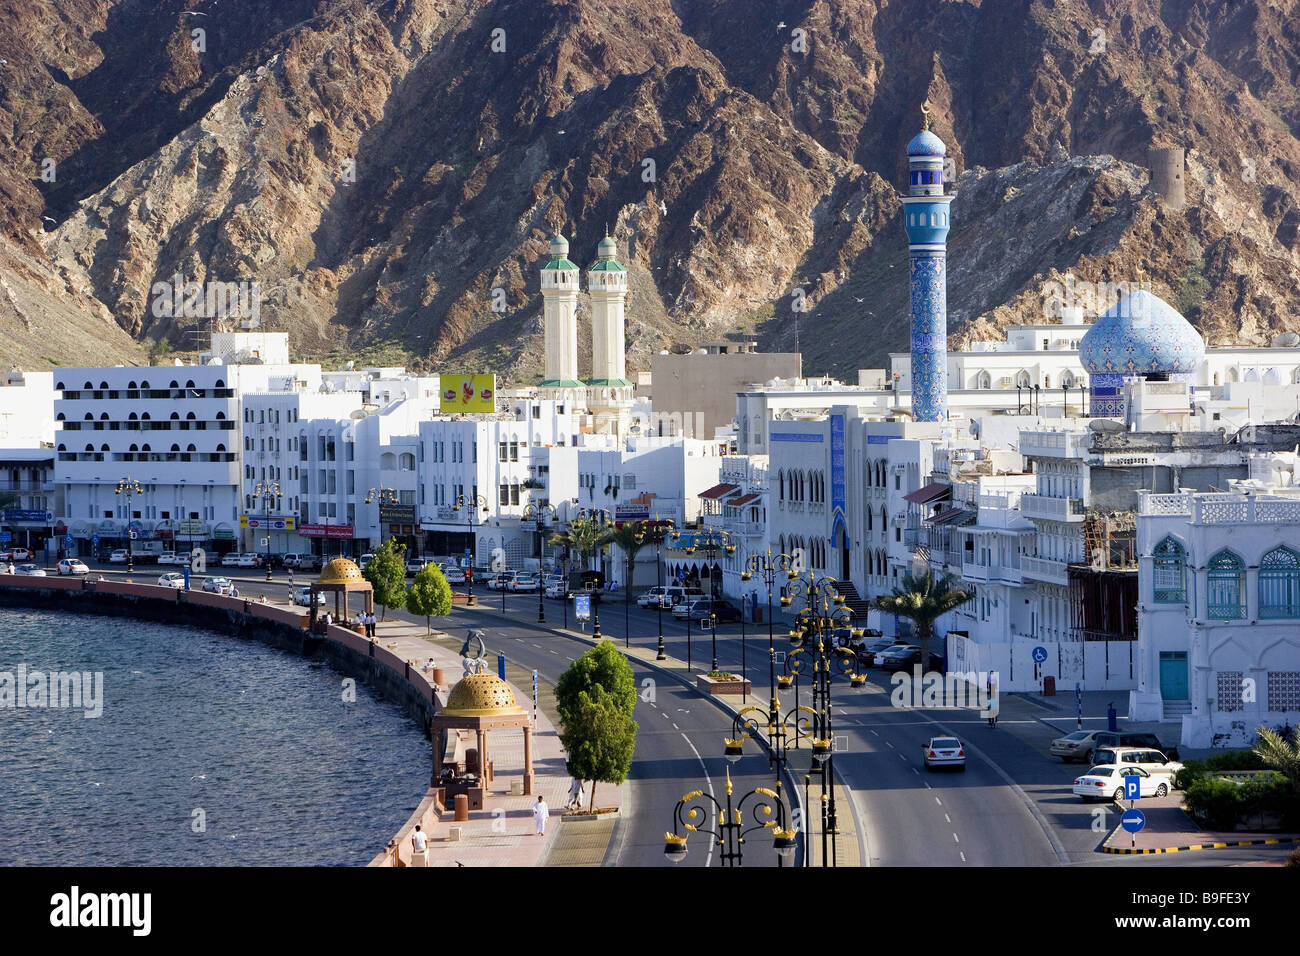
471, 505
769, 566
711, 540
539, 511
657, 534
385, 496
129, 487
695, 809
268, 491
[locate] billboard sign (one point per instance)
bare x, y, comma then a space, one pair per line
469, 393
273, 523
326, 531
396, 514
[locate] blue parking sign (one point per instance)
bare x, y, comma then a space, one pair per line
1132, 787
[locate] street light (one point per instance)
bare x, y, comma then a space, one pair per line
769, 565
711, 540
824, 613
129, 487
268, 491
471, 505
657, 534
694, 810
538, 512
385, 496
603, 516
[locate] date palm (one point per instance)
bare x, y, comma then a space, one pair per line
1280, 754
630, 538
923, 599
586, 536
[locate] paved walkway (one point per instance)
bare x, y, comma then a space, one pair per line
503, 833
1170, 829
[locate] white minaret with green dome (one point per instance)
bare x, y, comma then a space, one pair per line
609, 392
560, 280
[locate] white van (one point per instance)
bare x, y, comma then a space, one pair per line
676, 594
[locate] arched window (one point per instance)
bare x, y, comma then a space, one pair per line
1169, 572
103, 448
780, 484
870, 515
88, 385
1279, 584
90, 448
1023, 380
1226, 587
58, 387
175, 416
221, 447
220, 384
1067, 380
221, 416
103, 385
175, 447
145, 447
190, 447
59, 417
104, 417
984, 380
189, 417
89, 417
132, 417
144, 383
144, 416
174, 384
189, 383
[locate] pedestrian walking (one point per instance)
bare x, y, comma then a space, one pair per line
540, 812
575, 795
419, 839
1112, 722
370, 624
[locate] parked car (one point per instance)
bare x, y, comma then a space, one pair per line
1076, 746
20, 554
454, 573
303, 597
701, 611
216, 585
172, 579
1152, 761
524, 582
31, 570
897, 656
675, 595
118, 556
231, 560
868, 651
1107, 783
944, 752
652, 598
557, 590
1111, 738
500, 581
72, 566
364, 560
414, 566
169, 557
249, 559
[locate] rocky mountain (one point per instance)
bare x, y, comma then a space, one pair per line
378, 169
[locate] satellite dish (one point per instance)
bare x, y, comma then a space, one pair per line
1287, 340
1105, 426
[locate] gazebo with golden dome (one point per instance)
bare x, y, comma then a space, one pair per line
342, 577
480, 702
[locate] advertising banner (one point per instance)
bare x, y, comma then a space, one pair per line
469, 393
325, 530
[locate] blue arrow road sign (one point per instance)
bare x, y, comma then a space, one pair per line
1132, 787
1133, 820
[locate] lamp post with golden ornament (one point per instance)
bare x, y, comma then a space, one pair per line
700, 812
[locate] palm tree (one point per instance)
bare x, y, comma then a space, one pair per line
630, 538
585, 535
923, 599
1280, 754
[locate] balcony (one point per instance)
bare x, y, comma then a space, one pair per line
1045, 569
1046, 444
991, 574
1052, 509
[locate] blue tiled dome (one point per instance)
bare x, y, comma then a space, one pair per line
1141, 334
926, 143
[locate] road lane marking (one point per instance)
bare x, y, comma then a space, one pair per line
948, 818
915, 771
954, 838
874, 734
709, 781
675, 727
937, 800
889, 744
963, 856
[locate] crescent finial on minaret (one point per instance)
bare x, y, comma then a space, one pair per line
925, 114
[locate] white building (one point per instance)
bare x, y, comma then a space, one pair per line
1219, 607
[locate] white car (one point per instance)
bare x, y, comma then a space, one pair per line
303, 597
118, 557
172, 579
1107, 783
30, 570
652, 598
72, 566
231, 560
216, 585
454, 573
557, 590
250, 560
501, 581
364, 560
1150, 761
169, 557
524, 581
944, 752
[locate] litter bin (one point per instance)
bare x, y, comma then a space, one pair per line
1049, 686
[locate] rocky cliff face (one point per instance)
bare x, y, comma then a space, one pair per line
380, 169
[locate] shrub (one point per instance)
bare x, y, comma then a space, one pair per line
1213, 803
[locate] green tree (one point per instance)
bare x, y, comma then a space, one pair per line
595, 698
430, 594
1280, 754
923, 599
585, 535
386, 572
159, 352
630, 538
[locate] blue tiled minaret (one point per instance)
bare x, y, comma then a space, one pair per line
925, 214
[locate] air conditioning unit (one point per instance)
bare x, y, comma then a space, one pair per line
1005, 381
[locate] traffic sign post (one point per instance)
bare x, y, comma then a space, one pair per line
1078, 706
534, 698
1132, 787
1133, 820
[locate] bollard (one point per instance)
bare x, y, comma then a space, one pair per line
462, 807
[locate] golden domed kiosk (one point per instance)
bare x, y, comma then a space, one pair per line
341, 577
480, 702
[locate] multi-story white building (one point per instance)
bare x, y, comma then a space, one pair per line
1219, 607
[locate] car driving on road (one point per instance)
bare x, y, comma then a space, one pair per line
31, 570
172, 579
944, 752
72, 566
216, 585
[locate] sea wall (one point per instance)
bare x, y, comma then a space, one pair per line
282, 627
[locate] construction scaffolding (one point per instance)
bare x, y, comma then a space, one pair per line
1104, 591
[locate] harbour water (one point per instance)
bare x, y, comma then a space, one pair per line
209, 751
